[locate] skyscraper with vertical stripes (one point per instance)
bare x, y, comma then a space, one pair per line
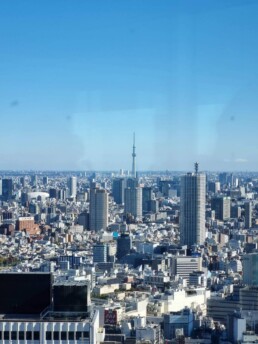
192, 208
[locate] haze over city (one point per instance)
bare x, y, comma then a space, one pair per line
78, 78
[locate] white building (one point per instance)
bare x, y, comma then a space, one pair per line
46, 332
184, 265
72, 186
177, 300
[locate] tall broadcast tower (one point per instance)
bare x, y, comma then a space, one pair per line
134, 156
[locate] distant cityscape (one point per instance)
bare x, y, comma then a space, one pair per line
128, 257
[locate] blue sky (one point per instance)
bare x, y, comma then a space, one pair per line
77, 78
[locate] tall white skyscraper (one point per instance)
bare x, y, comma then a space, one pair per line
72, 185
192, 208
98, 209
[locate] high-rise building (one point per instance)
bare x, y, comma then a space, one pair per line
250, 268
235, 211
45, 180
72, 186
248, 214
133, 202
83, 219
147, 196
192, 208
100, 253
53, 193
118, 190
98, 209
124, 245
222, 207
7, 189
132, 183
214, 187
34, 180
22, 181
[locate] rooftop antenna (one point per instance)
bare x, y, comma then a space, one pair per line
196, 167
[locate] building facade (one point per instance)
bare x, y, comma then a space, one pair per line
98, 209
192, 209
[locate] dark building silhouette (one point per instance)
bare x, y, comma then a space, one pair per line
118, 190
124, 245
7, 189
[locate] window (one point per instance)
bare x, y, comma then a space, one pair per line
71, 335
36, 335
6, 335
56, 335
48, 335
78, 335
28, 335
21, 335
63, 335
14, 335
86, 334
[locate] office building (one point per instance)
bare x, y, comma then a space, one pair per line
100, 253
222, 207
84, 219
214, 187
124, 245
182, 321
53, 193
132, 183
250, 268
235, 211
31, 315
98, 209
45, 180
28, 225
7, 189
22, 181
198, 278
71, 296
72, 186
118, 190
133, 202
192, 208
248, 214
184, 266
34, 180
147, 196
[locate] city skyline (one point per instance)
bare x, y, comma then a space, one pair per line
78, 79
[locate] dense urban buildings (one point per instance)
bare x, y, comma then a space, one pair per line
155, 259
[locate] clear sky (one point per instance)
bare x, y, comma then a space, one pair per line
78, 77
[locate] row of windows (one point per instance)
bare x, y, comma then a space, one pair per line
13, 335
66, 335
29, 335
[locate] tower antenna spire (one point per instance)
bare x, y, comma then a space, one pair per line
196, 167
134, 156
